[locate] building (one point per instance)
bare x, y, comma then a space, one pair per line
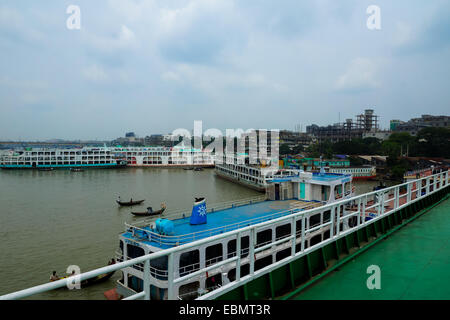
382, 135
347, 130
414, 125
293, 138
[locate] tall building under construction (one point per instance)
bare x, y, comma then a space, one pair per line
347, 130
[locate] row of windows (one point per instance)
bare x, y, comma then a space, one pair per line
35, 153
240, 175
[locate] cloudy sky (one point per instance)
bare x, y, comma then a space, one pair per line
156, 65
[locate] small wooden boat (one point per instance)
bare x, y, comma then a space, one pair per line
76, 170
92, 281
150, 212
198, 169
97, 279
129, 203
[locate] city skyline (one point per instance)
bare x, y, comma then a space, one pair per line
155, 66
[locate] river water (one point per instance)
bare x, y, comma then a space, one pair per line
51, 220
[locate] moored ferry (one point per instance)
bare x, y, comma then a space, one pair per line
249, 175
46, 158
358, 172
288, 192
177, 156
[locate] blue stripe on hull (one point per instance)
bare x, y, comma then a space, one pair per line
64, 166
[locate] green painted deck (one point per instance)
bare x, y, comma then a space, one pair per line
414, 263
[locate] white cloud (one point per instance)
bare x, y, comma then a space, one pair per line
125, 38
360, 75
170, 76
403, 34
95, 73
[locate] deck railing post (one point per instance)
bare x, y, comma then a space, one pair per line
332, 214
252, 250
238, 261
396, 197
293, 235
303, 232
381, 209
408, 191
147, 279
170, 277
358, 216
338, 220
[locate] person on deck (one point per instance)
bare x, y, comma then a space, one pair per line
54, 277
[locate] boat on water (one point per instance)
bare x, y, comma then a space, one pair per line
177, 156
92, 281
46, 169
150, 212
287, 192
76, 169
129, 203
58, 158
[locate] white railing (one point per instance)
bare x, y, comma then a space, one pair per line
339, 212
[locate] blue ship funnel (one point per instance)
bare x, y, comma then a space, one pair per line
198, 215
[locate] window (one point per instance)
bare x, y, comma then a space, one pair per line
189, 262
263, 237
298, 226
283, 254
326, 216
316, 239
134, 251
314, 220
263, 262
158, 267
213, 281
214, 254
283, 231
189, 291
245, 270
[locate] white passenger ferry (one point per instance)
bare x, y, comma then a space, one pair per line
55, 158
177, 156
249, 175
358, 172
288, 192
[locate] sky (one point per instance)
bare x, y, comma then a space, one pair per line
157, 65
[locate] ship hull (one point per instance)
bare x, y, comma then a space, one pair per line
63, 166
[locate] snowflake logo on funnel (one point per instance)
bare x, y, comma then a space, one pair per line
202, 211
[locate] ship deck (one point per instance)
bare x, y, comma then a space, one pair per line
413, 265
221, 221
